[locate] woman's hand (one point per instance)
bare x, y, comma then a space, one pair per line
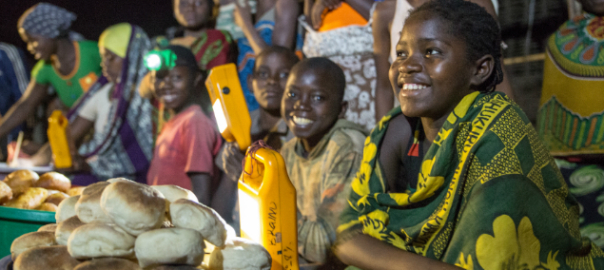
316, 14
242, 14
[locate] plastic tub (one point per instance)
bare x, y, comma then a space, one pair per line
16, 222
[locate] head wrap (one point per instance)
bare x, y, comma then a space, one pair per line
116, 38
47, 20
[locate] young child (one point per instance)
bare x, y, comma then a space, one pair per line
187, 144
267, 83
325, 155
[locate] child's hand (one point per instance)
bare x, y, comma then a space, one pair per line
242, 14
232, 161
319, 8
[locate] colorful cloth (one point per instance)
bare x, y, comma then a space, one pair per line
486, 150
124, 147
187, 143
322, 181
571, 114
586, 183
14, 78
84, 74
48, 21
351, 47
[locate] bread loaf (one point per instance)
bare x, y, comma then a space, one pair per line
134, 207
192, 215
108, 264
56, 198
54, 181
31, 240
88, 207
186, 247
240, 254
66, 209
75, 191
19, 181
97, 239
6, 194
48, 228
50, 207
65, 228
32, 198
47, 258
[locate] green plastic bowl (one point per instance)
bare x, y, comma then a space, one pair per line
16, 222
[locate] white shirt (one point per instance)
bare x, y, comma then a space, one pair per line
97, 108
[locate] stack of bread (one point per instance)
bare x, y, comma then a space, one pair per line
121, 224
24, 189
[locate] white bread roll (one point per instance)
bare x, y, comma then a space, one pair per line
169, 246
192, 215
97, 239
21, 180
54, 181
174, 193
65, 228
108, 264
47, 258
134, 207
88, 207
48, 228
66, 209
240, 254
31, 240
173, 267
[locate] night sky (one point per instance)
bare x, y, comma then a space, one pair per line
94, 16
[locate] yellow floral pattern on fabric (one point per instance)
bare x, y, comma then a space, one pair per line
516, 248
464, 263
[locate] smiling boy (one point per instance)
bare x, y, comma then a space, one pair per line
187, 144
325, 155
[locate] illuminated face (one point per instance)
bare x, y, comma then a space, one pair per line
431, 73
111, 64
269, 80
310, 107
173, 87
192, 14
40, 47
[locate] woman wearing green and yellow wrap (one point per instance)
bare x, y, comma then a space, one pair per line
457, 176
571, 114
70, 67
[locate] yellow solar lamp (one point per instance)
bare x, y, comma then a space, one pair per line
57, 137
229, 105
267, 207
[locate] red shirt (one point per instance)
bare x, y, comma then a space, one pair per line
187, 143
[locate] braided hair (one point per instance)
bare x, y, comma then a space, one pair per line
476, 27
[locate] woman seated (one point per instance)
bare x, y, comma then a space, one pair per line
122, 144
457, 175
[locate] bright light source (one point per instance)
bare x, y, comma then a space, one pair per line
153, 62
219, 115
249, 213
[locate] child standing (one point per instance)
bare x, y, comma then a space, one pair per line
187, 144
325, 155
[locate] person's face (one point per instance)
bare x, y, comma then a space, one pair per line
269, 80
310, 107
111, 64
430, 74
40, 47
595, 7
173, 87
192, 13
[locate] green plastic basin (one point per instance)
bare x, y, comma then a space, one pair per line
16, 222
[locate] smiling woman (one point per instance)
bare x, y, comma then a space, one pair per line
422, 198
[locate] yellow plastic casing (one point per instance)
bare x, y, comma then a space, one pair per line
57, 137
228, 102
267, 207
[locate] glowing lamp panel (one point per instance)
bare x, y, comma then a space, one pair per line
249, 211
153, 62
220, 116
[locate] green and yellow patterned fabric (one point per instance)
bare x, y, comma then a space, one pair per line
488, 196
571, 113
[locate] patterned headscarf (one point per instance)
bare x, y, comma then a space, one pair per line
47, 20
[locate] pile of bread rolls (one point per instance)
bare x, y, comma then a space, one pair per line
24, 189
121, 224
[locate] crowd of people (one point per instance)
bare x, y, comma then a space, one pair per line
395, 119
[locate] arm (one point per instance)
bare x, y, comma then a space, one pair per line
228, 161
369, 253
287, 12
201, 183
78, 128
33, 96
243, 18
225, 198
384, 96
